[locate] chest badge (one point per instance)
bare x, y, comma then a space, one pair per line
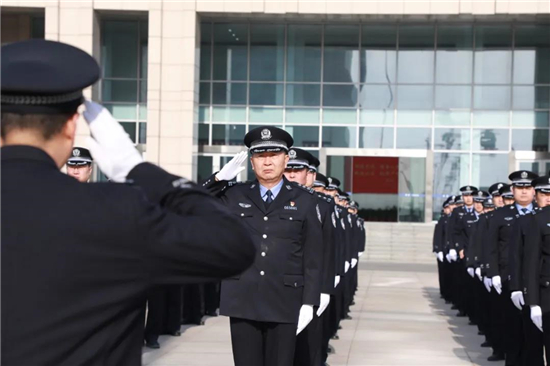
509, 218
292, 203
245, 205
291, 206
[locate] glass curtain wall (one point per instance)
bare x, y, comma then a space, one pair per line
471, 93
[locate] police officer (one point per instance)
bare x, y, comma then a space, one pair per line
274, 300
74, 279
438, 245
79, 165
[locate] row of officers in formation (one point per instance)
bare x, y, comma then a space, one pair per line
80, 261
493, 252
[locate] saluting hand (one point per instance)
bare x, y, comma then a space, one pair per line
233, 168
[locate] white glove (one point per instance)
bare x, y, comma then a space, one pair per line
325, 300
353, 262
448, 257
336, 281
536, 316
453, 255
233, 168
478, 274
488, 283
517, 299
110, 145
306, 316
439, 256
471, 272
346, 267
361, 253
497, 284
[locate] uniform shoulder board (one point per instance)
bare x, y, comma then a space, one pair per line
534, 212
302, 187
233, 184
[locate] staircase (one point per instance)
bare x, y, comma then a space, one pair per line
399, 242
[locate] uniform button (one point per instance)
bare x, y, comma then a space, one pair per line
295, 284
263, 254
265, 218
262, 273
264, 236
291, 219
242, 214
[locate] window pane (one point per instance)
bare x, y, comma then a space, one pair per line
453, 97
532, 54
230, 51
451, 139
530, 140
493, 56
454, 55
228, 114
302, 115
119, 48
341, 54
267, 52
490, 139
304, 53
228, 134
376, 96
451, 171
204, 167
206, 51
339, 95
371, 117
119, 91
491, 119
414, 97
339, 136
229, 93
304, 136
378, 54
414, 138
266, 115
143, 112
339, 116
204, 114
143, 91
492, 97
416, 54
303, 95
531, 97
204, 93
414, 118
266, 94
451, 118
531, 119
143, 48
142, 133
130, 128
376, 137
487, 169
122, 111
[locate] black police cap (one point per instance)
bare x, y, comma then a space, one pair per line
447, 202
44, 77
468, 190
80, 156
481, 196
320, 181
522, 178
493, 190
506, 191
489, 203
314, 163
268, 139
299, 158
344, 196
333, 183
542, 184
456, 200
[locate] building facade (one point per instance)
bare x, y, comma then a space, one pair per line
404, 101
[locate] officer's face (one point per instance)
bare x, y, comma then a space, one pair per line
498, 201
508, 201
331, 192
543, 199
297, 175
478, 206
319, 189
269, 166
310, 178
523, 195
468, 200
447, 210
82, 173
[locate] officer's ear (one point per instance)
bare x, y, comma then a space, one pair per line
69, 129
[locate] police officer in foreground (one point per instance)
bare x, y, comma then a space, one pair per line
79, 165
274, 300
74, 280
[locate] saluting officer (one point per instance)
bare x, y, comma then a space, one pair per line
79, 165
74, 279
274, 300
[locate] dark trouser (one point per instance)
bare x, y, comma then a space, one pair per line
328, 326
546, 334
308, 343
483, 308
513, 332
441, 277
262, 343
164, 311
211, 297
497, 320
336, 314
192, 304
532, 340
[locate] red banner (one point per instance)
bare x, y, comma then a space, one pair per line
375, 175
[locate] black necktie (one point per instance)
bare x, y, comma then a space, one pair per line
524, 210
269, 198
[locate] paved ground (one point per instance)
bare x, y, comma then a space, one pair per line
398, 319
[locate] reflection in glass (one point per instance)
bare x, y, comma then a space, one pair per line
491, 97
378, 54
303, 95
302, 115
493, 55
204, 93
204, 114
532, 54
119, 91
304, 53
339, 137
266, 115
452, 118
414, 138
339, 116
119, 48
416, 54
339, 95
376, 137
453, 97
371, 117
304, 136
531, 97
488, 169
454, 55
203, 134
531, 119
451, 139
451, 171
530, 140
227, 134
267, 52
412, 189
414, 97
122, 111
414, 118
490, 139
491, 119
230, 51
206, 51
229, 93
376, 96
266, 94
228, 114
341, 62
